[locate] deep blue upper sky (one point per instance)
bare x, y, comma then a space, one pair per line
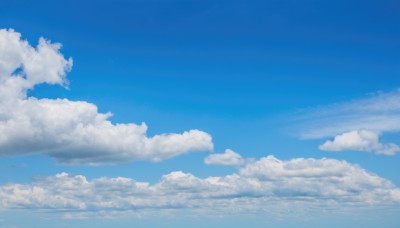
220, 57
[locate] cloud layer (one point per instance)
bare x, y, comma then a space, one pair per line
267, 184
361, 140
73, 132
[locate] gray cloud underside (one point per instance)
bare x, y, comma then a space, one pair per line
262, 186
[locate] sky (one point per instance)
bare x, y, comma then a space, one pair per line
203, 113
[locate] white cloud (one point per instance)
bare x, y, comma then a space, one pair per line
360, 140
73, 132
356, 125
43, 64
268, 185
228, 158
379, 112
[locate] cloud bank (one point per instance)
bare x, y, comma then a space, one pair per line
262, 186
72, 132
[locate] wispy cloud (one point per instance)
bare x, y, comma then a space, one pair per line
355, 125
259, 186
73, 132
378, 112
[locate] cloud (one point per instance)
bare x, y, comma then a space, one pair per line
268, 185
356, 125
360, 140
227, 158
379, 112
73, 132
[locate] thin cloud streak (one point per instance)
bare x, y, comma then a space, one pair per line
379, 112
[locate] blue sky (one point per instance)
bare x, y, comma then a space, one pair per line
240, 80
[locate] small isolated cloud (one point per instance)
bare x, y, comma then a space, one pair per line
228, 158
73, 132
268, 185
360, 140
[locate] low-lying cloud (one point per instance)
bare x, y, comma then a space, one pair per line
256, 188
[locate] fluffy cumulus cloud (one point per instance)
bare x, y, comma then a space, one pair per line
22, 66
73, 132
262, 186
361, 140
230, 157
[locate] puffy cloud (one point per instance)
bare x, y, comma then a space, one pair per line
22, 66
264, 186
360, 140
73, 132
227, 158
